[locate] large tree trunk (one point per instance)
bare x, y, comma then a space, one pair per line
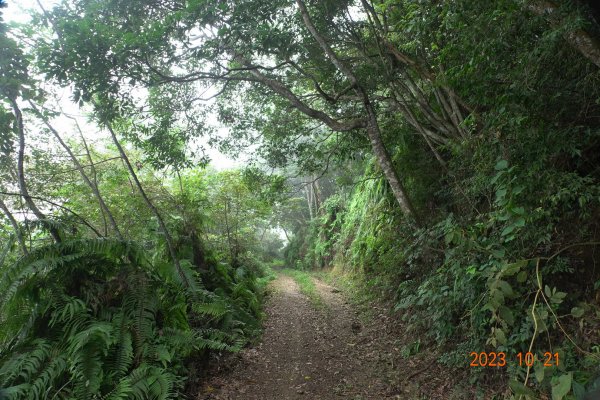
15, 226
150, 205
21, 173
79, 168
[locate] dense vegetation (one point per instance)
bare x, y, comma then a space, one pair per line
506, 258
118, 277
443, 154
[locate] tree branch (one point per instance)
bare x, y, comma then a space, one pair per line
83, 220
581, 40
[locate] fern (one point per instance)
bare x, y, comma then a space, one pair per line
54, 370
94, 318
123, 355
15, 392
215, 310
24, 365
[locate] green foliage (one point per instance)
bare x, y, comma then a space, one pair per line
89, 318
467, 283
488, 110
505, 260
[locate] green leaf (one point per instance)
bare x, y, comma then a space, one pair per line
561, 386
500, 336
540, 317
496, 177
558, 297
496, 298
500, 165
520, 222
507, 230
505, 288
500, 193
577, 312
499, 253
539, 370
519, 389
522, 276
518, 210
506, 314
513, 268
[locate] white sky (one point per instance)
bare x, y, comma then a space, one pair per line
17, 11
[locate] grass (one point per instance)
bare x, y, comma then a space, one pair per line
306, 284
361, 293
268, 274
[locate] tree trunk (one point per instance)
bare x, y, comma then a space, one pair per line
581, 40
150, 205
94, 176
381, 154
79, 168
385, 163
317, 192
307, 189
15, 226
62, 207
287, 237
21, 174
228, 231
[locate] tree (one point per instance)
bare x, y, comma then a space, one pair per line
302, 70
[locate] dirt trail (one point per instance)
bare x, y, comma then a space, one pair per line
307, 353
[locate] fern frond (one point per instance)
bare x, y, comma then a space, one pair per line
190, 281
93, 318
122, 357
215, 310
182, 342
86, 349
27, 364
42, 385
148, 382
66, 309
15, 392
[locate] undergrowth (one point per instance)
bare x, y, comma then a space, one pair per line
505, 260
95, 318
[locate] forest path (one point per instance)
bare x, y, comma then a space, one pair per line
308, 351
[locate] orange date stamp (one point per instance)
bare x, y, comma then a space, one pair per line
499, 359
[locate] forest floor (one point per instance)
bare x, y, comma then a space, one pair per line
323, 349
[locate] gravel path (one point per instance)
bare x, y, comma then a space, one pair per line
307, 353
